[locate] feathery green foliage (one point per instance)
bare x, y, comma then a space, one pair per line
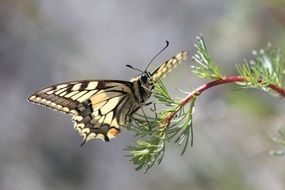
267, 68
158, 133
206, 69
174, 123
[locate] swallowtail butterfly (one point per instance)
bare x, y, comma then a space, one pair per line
99, 108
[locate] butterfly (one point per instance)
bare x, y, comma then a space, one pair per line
99, 108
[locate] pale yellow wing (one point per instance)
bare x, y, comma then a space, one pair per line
98, 108
168, 65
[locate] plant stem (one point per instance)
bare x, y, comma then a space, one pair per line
199, 90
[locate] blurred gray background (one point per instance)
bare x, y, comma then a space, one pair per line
46, 42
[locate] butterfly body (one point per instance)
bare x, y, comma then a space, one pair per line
99, 108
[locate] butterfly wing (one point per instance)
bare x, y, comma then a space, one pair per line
168, 65
98, 108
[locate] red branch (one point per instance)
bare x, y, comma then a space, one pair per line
225, 80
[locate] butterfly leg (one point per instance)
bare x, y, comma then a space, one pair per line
154, 110
146, 118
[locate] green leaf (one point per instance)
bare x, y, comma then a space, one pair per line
206, 67
266, 68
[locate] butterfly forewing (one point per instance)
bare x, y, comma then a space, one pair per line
169, 65
65, 97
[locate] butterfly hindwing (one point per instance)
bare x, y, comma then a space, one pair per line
103, 114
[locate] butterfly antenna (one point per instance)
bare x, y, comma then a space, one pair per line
135, 68
167, 43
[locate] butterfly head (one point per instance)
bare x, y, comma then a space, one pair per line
145, 85
146, 80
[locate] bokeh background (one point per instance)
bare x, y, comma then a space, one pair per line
45, 42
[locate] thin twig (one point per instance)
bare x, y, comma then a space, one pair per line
199, 90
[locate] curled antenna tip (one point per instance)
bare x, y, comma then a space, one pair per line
167, 43
134, 68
